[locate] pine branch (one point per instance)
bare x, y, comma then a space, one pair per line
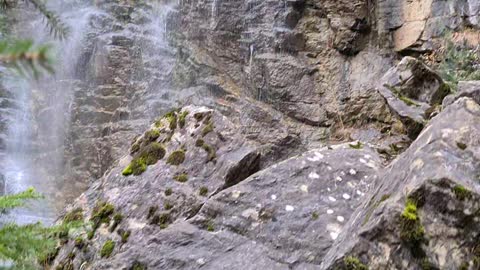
56, 27
17, 200
26, 58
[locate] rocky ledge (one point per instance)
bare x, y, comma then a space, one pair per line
193, 194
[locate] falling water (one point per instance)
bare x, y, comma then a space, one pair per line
38, 120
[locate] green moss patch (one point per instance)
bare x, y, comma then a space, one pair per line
358, 145
212, 154
101, 214
461, 145
176, 158
353, 263
412, 231
168, 192
182, 178
203, 191
149, 155
461, 193
199, 143
315, 216
74, 215
117, 218
207, 128
124, 235
167, 206
79, 242
136, 167
181, 119
210, 226
107, 249
138, 266
152, 135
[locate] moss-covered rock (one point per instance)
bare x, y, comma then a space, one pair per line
101, 214
152, 153
107, 249
412, 231
176, 158
136, 167
152, 135
461, 193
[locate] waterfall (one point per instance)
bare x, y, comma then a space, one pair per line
37, 121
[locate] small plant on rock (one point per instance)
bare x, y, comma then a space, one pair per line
203, 191
176, 158
107, 249
182, 178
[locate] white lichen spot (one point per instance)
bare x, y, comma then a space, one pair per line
304, 163
360, 193
201, 261
340, 219
346, 196
332, 199
289, 208
236, 194
313, 175
472, 106
328, 189
367, 156
352, 172
317, 156
363, 161
365, 177
333, 235
329, 168
304, 188
418, 164
339, 179
329, 211
274, 197
342, 173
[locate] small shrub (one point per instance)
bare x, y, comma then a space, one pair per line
176, 158
182, 178
101, 214
152, 153
203, 191
107, 249
167, 206
168, 192
172, 119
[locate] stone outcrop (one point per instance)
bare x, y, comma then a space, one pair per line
423, 211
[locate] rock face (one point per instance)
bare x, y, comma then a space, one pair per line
423, 211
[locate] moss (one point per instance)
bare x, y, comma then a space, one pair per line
162, 220
152, 153
464, 266
151, 211
212, 154
461, 193
315, 216
358, 145
167, 206
181, 119
74, 215
135, 147
90, 235
107, 249
412, 231
46, 258
136, 167
176, 158
461, 145
117, 218
210, 226
172, 119
199, 143
203, 191
168, 192
79, 242
353, 263
182, 178
152, 135
207, 128
400, 96
124, 235
101, 214
138, 266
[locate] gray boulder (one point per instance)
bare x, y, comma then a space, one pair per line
469, 89
411, 89
425, 208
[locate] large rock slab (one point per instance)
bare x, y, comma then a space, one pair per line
425, 208
298, 207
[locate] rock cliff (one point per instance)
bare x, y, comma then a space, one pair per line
294, 134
